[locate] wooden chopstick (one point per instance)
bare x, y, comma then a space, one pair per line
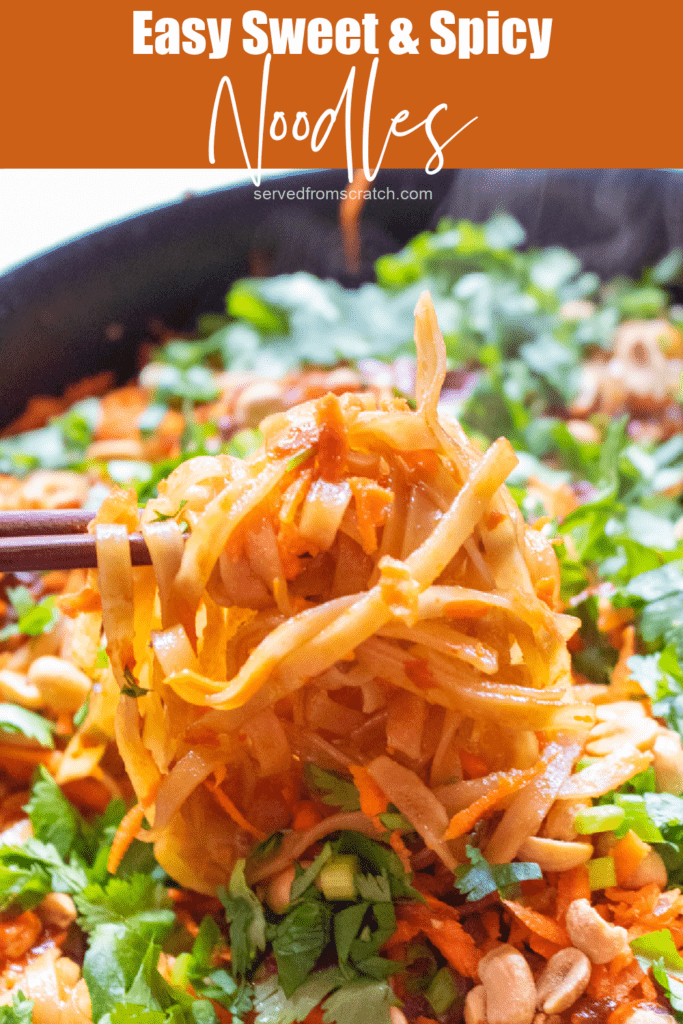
37, 522
38, 540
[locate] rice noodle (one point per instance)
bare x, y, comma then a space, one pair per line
116, 590
530, 805
361, 586
416, 801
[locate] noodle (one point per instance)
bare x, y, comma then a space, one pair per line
348, 641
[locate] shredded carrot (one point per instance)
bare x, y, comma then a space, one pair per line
447, 934
373, 801
643, 900
620, 961
291, 545
400, 848
473, 609
306, 815
372, 505
621, 675
624, 1013
125, 834
610, 618
473, 767
542, 946
491, 922
228, 806
465, 820
627, 854
540, 924
600, 983
332, 438
626, 980
571, 885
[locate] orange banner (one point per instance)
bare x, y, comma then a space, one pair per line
292, 83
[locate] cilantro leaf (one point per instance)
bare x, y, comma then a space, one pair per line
29, 872
244, 913
658, 946
114, 957
481, 878
20, 1012
299, 940
306, 878
360, 1002
119, 900
273, 1007
33, 617
657, 950
374, 888
53, 818
15, 719
334, 790
132, 689
162, 517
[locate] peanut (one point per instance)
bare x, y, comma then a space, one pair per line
564, 979
594, 936
668, 762
508, 986
57, 909
475, 1006
279, 890
62, 686
554, 854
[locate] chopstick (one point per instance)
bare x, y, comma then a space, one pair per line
35, 540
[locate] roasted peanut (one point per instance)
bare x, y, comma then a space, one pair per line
258, 400
15, 687
508, 986
643, 1016
555, 854
57, 909
279, 889
564, 979
475, 1006
68, 973
54, 489
559, 824
62, 686
668, 762
605, 737
594, 936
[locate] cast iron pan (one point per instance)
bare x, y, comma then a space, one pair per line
85, 305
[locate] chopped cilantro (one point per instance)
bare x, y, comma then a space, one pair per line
162, 517
33, 617
20, 1011
132, 689
301, 457
244, 913
334, 790
480, 878
15, 719
299, 940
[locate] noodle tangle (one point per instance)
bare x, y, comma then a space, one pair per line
362, 591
